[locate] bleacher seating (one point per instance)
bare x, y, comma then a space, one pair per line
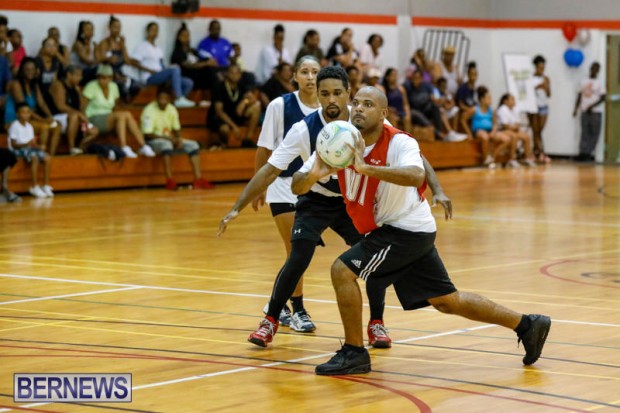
90, 172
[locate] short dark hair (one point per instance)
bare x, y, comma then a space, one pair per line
278, 29
164, 88
21, 105
482, 92
151, 24
442, 80
333, 72
538, 59
4, 21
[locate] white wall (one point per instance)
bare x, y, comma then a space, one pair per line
487, 46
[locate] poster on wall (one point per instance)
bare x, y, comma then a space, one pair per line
518, 72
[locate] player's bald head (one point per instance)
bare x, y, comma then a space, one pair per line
374, 94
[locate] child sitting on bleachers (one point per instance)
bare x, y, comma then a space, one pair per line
24, 145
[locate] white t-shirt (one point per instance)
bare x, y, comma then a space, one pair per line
271, 136
268, 60
591, 91
542, 99
297, 143
397, 205
452, 77
20, 134
507, 116
149, 56
367, 57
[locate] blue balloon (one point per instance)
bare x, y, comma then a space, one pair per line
573, 57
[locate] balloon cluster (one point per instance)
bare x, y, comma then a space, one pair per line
574, 57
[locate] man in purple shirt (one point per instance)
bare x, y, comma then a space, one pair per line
215, 47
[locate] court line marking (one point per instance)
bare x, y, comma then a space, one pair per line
53, 297
226, 293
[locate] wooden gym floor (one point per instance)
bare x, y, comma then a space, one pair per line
135, 281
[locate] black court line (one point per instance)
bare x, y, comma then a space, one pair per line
402, 374
603, 192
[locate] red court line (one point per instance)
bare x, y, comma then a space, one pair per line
546, 271
358, 379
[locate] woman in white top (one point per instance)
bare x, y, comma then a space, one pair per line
510, 123
281, 114
542, 88
150, 59
370, 57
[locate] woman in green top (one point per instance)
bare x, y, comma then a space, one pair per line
101, 95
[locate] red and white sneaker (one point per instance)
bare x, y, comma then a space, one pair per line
266, 330
378, 335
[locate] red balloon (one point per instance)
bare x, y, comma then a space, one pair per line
570, 31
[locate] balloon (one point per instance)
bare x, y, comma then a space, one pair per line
583, 37
570, 31
573, 57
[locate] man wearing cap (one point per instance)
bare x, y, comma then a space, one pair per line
449, 70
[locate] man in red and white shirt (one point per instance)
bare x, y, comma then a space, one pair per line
383, 194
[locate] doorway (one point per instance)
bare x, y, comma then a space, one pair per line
612, 106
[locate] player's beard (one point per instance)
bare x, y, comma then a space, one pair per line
332, 112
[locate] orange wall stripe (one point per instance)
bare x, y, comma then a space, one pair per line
513, 24
207, 12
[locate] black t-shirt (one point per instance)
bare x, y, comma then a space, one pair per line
419, 97
180, 56
229, 98
273, 88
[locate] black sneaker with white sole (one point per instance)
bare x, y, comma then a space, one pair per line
533, 338
345, 361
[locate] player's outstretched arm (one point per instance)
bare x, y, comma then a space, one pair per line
257, 185
438, 195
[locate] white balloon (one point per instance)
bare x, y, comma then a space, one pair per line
583, 36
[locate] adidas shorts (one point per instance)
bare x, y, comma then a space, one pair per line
409, 260
314, 213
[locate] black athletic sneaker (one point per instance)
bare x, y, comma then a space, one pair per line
346, 361
534, 338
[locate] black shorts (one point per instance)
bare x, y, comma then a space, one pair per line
315, 213
409, 260
7, 159
278, 208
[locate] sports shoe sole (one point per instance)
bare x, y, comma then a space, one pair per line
381, 344
545, 325
363, 369
257, 341
302, 330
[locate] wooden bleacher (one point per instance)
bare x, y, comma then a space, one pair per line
90, 172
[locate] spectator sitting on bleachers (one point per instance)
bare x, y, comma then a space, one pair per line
5, 78
162, 128
370, 56
19, 52
233, 106
485, 128
510, 123
24, 145
25, 88
279, 84
397, 100
214, 46
83, 51
113, 51
235, 57
311, 47
272, 55
447, 69
424, 112
355, 80
200, 70
5, 44
374, 79
49, 67
342, 53
7, 161
150, 59
66, 106
445, 100
102, 95
418, 61
466, 98
63, 50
